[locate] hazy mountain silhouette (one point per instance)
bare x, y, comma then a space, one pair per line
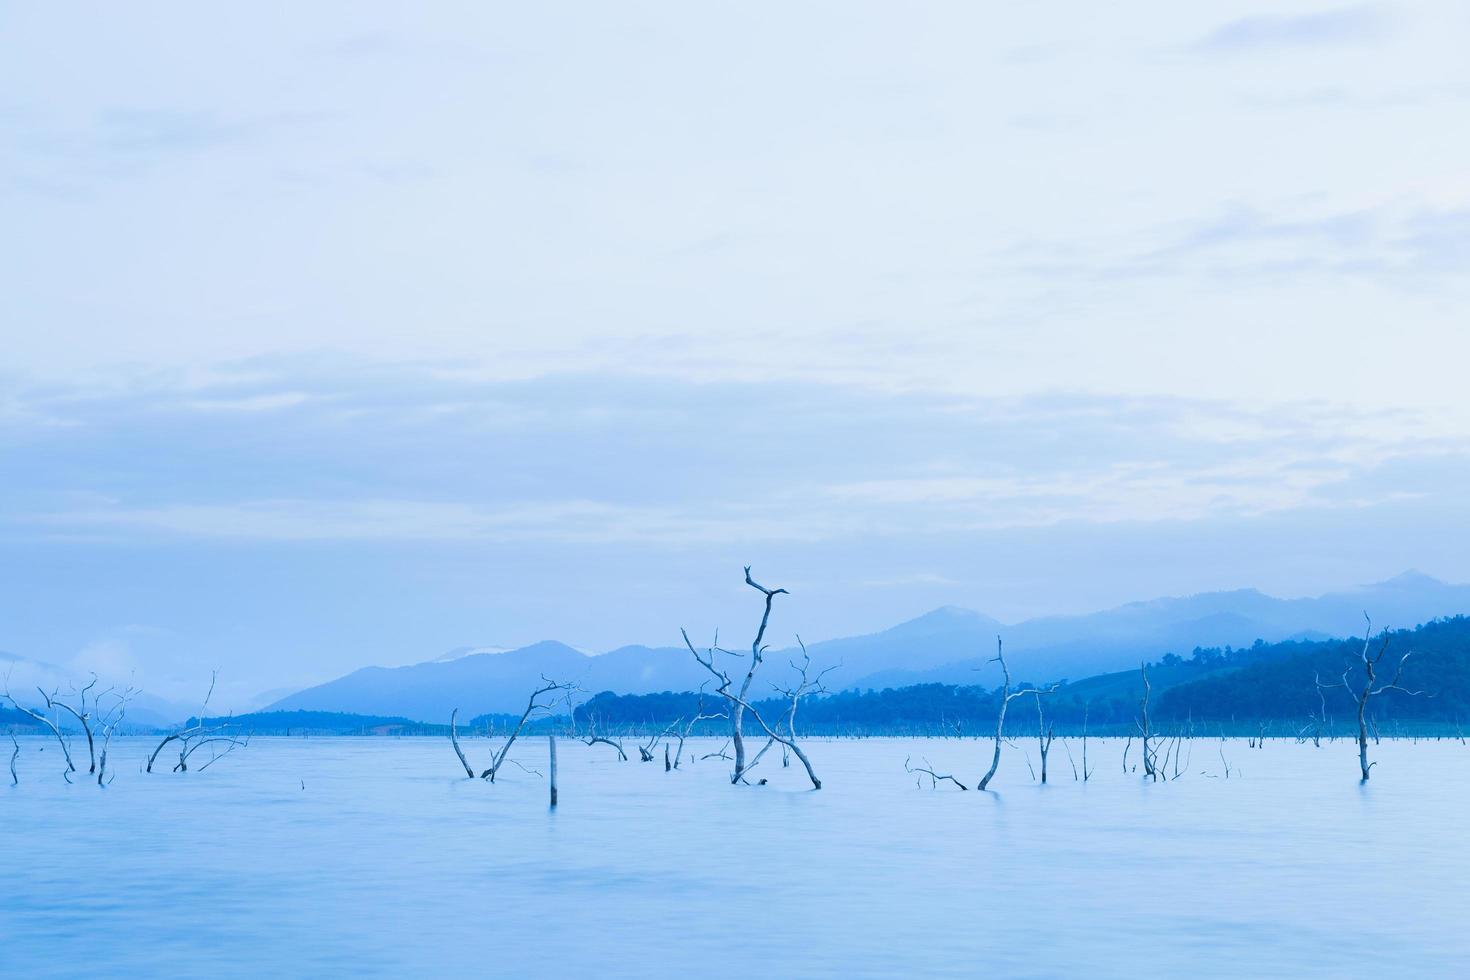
949, 644
23, 676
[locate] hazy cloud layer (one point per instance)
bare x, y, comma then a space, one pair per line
291, 519
1344, 25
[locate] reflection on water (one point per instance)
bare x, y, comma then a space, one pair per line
320, 856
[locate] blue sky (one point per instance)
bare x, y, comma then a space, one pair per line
353, 333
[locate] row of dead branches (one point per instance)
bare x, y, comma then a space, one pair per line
98, 714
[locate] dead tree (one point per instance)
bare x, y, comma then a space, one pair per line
1366, 691
785, 731
454, 740
220, 738
721, 754
592, 737
645, 752
533, 706
1321, 720
14, 754
699, 716
592, 740
82, 714
51, 726
96, 714
1086, 710
1006, 697
1149, 768
1043, 737
107, 724
739, 701
220, 742
935, 778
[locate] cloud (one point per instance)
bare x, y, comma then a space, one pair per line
1345, 25
307, 521
1410, 242
310, 454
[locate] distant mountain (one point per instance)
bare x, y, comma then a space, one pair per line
1057, 647
24, 676
493, 682
948, 645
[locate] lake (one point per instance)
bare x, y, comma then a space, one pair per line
309, 857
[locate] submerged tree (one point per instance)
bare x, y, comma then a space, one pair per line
220, 737
1006, 697
935, 778
1369, 688
699, 715
1145, 732
1044, 736
740, 701
593, 738
540, 702
785, 731
97, 715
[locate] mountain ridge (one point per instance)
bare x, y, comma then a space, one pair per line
949, 644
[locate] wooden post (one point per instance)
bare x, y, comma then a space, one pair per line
551, 740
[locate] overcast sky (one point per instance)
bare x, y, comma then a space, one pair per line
346, 333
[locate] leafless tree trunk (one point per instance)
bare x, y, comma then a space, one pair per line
107, 724
551, 765
96, 714
645, 752
200, 735
51, 725
1149, 769
1086, 709
1043, 737
533, 706
1006, 696
14, 754
1366, 691
454, 740
739, 702
784, 733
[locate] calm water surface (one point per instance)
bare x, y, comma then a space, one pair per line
312, 857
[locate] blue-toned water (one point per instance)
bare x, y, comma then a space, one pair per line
312, 857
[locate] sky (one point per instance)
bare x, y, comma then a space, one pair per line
352, 333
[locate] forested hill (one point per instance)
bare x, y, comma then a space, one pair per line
1286, 687
1267, 682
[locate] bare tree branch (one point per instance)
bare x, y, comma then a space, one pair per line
1006, 697
454, 740
1366, 692
52, 726
935, 778
533, 706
